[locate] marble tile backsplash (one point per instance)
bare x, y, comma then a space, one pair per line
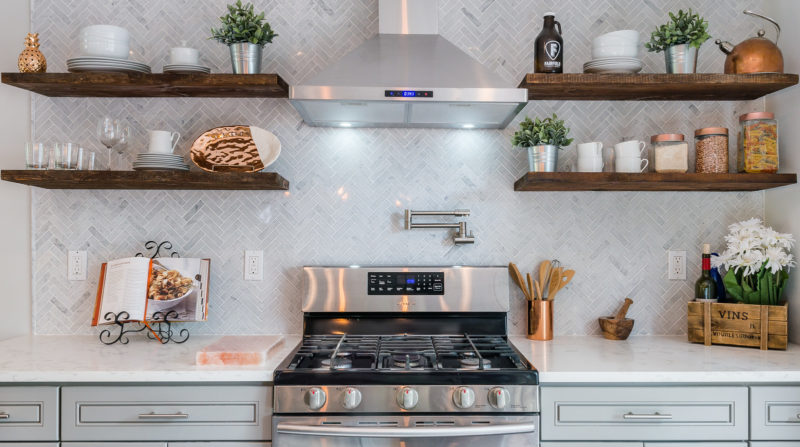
349, 187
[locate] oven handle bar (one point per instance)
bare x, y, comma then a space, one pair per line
406, 432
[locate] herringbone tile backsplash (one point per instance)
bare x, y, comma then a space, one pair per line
349, 187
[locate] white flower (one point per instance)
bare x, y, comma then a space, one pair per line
747, 226
751, 261
776, 259
769, 237
788, 261
720, 260
785, 240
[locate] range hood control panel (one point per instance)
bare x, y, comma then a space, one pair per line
405, 283
408, 93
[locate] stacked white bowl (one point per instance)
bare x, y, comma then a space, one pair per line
105, 41
617, 51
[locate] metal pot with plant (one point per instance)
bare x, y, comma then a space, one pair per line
245, 33
680, 40
542, 138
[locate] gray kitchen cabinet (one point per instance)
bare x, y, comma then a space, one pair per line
775, 413
166, 413
219, 444
695, 444
28, 413
591, 444
711, 413
28, 444
773, 444
113, 444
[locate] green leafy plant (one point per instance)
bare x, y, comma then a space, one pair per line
685, 27
537, 132
242, 25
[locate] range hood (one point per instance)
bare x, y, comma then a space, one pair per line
407, 76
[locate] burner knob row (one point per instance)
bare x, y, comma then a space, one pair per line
407, 398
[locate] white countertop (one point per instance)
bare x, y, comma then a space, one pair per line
85, 359
655, 360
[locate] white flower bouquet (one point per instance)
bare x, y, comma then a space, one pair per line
757, 262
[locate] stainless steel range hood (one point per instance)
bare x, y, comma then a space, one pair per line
407, 76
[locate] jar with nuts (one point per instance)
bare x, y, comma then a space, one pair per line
711, 147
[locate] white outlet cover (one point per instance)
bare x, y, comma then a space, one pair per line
254, 265
676, 265
76, 265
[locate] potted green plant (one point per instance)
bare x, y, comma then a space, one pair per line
542, 138
245, 33
680, 40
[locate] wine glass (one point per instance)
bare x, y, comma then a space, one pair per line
108, 131
124, 141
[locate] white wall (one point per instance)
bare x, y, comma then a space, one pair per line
15, 211
783, 205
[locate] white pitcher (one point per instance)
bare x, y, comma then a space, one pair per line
163, 141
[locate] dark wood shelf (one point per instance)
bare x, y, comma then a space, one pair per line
655, 87
612, 181
121, 85
175, 180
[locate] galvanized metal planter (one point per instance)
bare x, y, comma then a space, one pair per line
681, 58
246, 58
543, 158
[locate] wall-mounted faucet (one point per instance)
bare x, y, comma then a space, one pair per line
461, 236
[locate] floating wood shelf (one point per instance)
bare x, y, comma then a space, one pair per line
135, 85
147, 180
655, 87
612, 181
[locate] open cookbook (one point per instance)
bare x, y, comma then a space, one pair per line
143, 287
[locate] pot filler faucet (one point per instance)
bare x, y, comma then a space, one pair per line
461, 236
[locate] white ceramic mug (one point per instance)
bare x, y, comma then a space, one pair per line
184, 56
631, 164
590, 164
588, 150
629, 149
163, 141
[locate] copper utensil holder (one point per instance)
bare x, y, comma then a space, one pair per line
540, 320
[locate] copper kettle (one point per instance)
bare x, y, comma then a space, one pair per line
754, 55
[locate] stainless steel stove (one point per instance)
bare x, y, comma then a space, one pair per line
405, 356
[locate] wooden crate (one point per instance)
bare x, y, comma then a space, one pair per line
739, 325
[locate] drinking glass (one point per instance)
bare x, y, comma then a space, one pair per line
86, 160
37, 156
55, 157
69, 156
124, 141
108, 131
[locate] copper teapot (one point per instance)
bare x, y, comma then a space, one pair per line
754, 55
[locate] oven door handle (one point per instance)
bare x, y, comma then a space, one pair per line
404, 432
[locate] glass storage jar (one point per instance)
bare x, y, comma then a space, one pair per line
671, 152
711, 150
758, 143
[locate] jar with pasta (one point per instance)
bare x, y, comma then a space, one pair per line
758, 143
711, 148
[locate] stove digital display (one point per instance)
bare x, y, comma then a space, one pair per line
405, 283
408, 94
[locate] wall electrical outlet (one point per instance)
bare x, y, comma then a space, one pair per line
676, 265
253, 265
76, 265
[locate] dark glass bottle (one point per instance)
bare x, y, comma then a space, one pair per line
549, 52
705, 288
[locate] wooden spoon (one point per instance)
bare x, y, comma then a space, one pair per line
555, 282
539, 289
565, 278
530, 286
544, 271
517, 277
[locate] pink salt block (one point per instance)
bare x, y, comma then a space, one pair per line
234, 350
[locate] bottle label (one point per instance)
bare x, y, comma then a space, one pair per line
553, 49
706, 263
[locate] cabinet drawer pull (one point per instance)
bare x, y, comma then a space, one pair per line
655, 416
4, 415
154, 415
798, 416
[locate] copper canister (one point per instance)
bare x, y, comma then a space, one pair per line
540, 320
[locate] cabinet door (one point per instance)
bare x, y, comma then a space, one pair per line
695, 444
112, 444
28, 444
775, 413
772, 444
28, 413
591, 444
644, 413
219, 444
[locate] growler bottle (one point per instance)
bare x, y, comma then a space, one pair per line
549, 54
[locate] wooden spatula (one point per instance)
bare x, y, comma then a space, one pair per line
565, 278
544, 271
517, 277
530, 285
555, 282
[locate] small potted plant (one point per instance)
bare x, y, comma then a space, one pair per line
680, 39
542, 138
245, 33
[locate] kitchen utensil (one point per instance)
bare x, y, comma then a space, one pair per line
235, 148
613, 65
754, 55
105, 41
163, 141
105, 64
530, 285
615, 50
517, 277
540, 320
186, 69
544, 272
617, 327
184, 55
563, 279
37, 156
538, 288
109, 132
554, 283
631, 164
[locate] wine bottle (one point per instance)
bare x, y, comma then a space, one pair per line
705, 289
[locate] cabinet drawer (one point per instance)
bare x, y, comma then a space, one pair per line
219, 444
165, 413
29, 413
775, 413
113, 444
644, 413
28, 444
592, 444
695, 444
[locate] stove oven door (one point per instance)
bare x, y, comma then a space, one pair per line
408, 431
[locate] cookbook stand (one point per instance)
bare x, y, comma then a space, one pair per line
160, 326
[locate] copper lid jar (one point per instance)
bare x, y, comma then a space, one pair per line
758, 143
711, 148
671, 152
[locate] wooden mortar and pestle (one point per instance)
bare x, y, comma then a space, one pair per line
617, 327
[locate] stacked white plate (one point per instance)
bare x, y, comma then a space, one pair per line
107, 64
159, 162
186, 69
613, 65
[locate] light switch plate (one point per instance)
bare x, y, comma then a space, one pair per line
676, 265
253, 265
76, 265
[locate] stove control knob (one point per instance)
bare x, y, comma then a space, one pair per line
464, 397
352, 398
498, 397
315, 398
407, 398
